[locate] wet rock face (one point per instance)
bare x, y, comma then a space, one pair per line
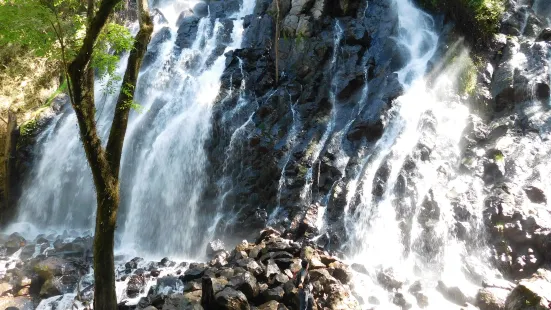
507, 146
273, 129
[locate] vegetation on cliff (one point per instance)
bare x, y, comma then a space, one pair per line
478, 19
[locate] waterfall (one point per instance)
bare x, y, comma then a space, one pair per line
306, 194
389, 219
163, 165
291, 142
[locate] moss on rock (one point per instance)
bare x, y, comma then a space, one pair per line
478, 19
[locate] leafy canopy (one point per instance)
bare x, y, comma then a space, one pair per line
45, 26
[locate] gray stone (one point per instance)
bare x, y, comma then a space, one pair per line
246, 283
232, 300
545, 35
532, 293
491, 298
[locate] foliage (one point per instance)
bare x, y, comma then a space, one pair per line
62, 88
128, 90
112, 42
487, 13
467, 78
498, 156
40, 25
50, 28
28, 127
300, 38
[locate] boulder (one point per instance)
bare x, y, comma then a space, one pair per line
227, 272
532, 293
452, 293
16, 303
154, 272
400, 301
498, 283
266, 234
75, 248
535, 194
270, 305
308, 225
279, 279
14, 243
192, 286
313, 258
275, 255
494, 171
491, 298
275, 293
52, 287
340, 298
323, 276
545, 35
218, 284
359, 268
246, 283
370, 130
169, 285
416, 289
194, 272
243, 246
220, 259
215, 246
201, 9
256, 250
187, 301
390, 280
340, 272
282, 245
187, 32
271, 269
5, 287
136, 285
231, 299
53, 266
133, 263
27, 252
250, 265
165, 262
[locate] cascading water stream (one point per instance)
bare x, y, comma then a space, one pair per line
305, 195
163, 166
401, 134
291, 143
387, 228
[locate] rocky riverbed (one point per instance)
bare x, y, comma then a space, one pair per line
53, 272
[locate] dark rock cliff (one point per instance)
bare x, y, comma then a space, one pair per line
329, 54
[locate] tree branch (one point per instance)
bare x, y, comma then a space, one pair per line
126, 96
59, 34
90, 10
96, 25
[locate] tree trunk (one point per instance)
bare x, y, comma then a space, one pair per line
123, 107
105, 295
10, 177
105, 163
